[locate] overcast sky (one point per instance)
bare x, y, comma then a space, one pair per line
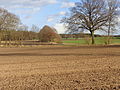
39, 12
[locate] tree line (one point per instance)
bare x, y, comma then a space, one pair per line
11, 28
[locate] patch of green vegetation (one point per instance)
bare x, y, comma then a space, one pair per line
79, 41
117, 40
98, 40
116, 37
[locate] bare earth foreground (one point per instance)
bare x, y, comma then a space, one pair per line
60, 68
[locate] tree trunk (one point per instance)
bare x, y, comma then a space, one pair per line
108, 39
0, 41
92, 35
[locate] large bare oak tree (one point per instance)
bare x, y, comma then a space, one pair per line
89, 15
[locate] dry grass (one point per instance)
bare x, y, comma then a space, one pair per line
60, 68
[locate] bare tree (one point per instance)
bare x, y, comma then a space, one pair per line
35, 28
34, 32
112, 17
8, 21
89, 15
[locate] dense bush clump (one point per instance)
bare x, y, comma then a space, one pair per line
49, 34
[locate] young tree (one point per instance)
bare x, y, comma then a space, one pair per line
90, 15
112, 17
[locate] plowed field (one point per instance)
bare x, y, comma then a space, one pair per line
60, 68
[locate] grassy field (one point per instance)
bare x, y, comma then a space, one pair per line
98, 40
60, 68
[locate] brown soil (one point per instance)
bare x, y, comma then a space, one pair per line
60, 68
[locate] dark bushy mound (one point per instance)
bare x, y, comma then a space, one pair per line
49, 34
